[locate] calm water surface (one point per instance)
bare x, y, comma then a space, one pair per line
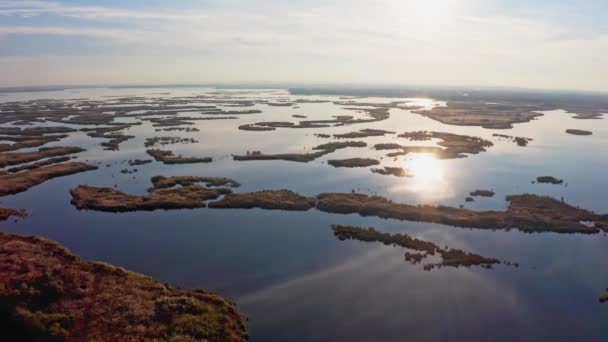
297, 282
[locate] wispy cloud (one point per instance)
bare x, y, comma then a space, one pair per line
37, 8
68, 31
461, 41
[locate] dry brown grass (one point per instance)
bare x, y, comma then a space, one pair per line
6, 213
28, 141
266, 199
529, 213
14, 158
474, 113
168, 157
450, 257
451, 145
295, 157
112, 200
22, 181
49, 294
353, 162
394, 171
603, 297
578, 132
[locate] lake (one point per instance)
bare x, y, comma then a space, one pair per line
287, 272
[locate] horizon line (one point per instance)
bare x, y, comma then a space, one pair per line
294, 85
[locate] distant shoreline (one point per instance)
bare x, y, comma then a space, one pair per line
382, 90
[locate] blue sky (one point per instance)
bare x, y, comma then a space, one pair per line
535, 44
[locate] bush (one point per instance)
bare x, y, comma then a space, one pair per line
45, 326
199, 327
168, 307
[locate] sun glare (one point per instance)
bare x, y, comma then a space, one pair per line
428, 177
430, 8
426, 169
425, 17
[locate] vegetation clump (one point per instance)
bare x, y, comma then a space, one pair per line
332, 146
135, 162
177, 192
578, 132
528, 213
301, 157
450, 257
162, 195
482, 193
376, 114
453, 145
483, 113
603, 297
395, 171
38, 164
180, 129
280, 104
115, 138
162, 182
272, 125
168, 157
6, 213
438, 152
295, 157
22, 181
151, 142
59, 297
353, 162
28, 141
265, 199
250, 127
35, 131
549, 180
14, 158
520, 141
364, 133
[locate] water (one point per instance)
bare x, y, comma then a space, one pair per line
290, 275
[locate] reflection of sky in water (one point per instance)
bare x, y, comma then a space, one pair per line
295, 280
388, 300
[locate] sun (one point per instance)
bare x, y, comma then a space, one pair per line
430, 9
424, 17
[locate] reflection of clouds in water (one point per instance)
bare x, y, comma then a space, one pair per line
378, 294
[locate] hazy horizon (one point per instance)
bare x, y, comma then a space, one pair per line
531, 45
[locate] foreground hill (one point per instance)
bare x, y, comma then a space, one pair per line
47, 293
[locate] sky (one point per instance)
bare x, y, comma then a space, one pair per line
548, 44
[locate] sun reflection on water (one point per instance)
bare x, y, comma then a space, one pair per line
424, 103
427, 169
428, 177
